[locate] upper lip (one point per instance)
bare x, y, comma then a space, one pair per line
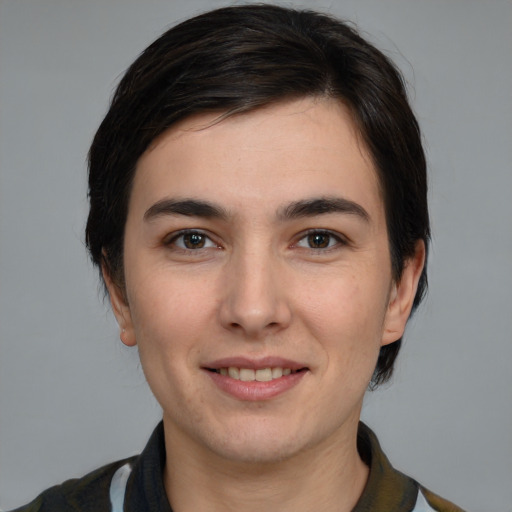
254, 363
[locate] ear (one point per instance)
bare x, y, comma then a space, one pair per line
402, 295
120, 308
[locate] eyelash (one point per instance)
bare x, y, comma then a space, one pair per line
332, 237
334, 240
172, 241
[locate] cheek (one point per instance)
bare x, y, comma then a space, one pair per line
169, 324
169, 316
346, 317
347, 307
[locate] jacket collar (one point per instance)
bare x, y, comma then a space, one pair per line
386, 488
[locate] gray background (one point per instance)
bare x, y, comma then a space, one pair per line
72, 397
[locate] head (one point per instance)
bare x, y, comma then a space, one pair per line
238, 60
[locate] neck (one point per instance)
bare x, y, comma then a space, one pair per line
330, 477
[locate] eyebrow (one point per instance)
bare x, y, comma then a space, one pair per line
187, 207
322, 206
295, 210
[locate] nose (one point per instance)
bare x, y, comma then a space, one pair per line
254, 297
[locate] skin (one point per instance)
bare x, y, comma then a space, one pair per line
258, 285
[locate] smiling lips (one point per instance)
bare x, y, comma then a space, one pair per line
249, 374
249, 380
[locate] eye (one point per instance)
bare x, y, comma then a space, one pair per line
319, 240
191, 240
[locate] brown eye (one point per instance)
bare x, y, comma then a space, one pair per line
191, 240
194, 240
319, 240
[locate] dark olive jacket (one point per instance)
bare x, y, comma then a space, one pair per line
136, 485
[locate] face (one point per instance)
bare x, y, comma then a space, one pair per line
258, 279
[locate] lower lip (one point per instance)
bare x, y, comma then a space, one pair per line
254, 391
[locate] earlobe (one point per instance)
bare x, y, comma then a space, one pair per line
402, 295
120, 309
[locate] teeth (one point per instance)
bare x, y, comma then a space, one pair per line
246, 374
249, 375
277, 372
264, 375
234, 373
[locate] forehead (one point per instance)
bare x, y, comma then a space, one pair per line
276, 154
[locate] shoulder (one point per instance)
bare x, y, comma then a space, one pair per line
139, 478
428, 501
390, 489
89, 493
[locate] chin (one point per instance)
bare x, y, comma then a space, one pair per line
259, 444
258, 451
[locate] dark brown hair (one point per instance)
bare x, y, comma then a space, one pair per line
237, 59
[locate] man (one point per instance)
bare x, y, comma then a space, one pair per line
259, 217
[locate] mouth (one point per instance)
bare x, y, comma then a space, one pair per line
249, 379
259, 375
